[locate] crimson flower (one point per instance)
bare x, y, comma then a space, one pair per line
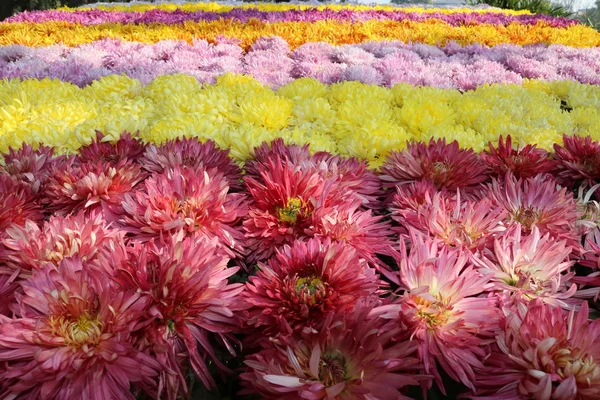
578, 161
126, 149
526, 162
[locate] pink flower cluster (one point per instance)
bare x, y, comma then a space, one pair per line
271, 61
129, 267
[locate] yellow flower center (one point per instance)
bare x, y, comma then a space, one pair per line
310, 285
332, 369
290, 212
526, 216
78, 332
432, 313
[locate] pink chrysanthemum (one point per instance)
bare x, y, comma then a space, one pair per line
446, 165
522, 163
30, 166
444, 309
538, 201
543, 353
126, 149
72, 339
349, 172
578, 160
366, 233
191, 302
301, 284
17, 204
588, 224
190, 152
91, 186
469, 225
8, 285
30, 247
349, 357
283, 206
195, 201
531, 266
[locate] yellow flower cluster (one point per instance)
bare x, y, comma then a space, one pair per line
432, 31
217, 7
349, 118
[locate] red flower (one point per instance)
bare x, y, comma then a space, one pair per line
284, 204
126, 149
349, 357
190, 152
578, 161
522, 163
30, 166
446, 165
17, 204
304, 282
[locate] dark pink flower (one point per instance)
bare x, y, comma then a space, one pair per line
73, 339
526, 162
543, 352
578, 160
17, 204
191, 302
126, 149
304, 282
195, 201
30, 166
349, 357
190, 152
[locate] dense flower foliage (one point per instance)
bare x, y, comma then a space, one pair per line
202, 201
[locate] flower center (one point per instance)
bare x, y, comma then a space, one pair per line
332, 369
83, 330
290, 212
526, 216
309, 285
431, 313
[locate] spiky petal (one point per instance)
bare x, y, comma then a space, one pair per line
526, 162
348, 357
304, 282
73, 339
543, 352
443, 308
30, 166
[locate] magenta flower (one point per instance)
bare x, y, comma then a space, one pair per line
73, 338
283, 206
304, 282
348, 357
17, 204
543, 353
541, 202
190, 152
444, 309
30, 166
195, 201
578, 160
531, 266
446, 165
126, 149
30, 248
190, 302
526, 162
93, 186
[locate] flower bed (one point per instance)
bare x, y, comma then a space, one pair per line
353, 218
